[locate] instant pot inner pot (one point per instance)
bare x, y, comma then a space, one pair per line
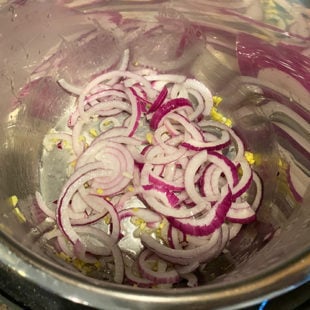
78, 45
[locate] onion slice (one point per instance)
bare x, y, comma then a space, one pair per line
145, 152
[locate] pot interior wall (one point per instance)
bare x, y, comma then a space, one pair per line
281, 232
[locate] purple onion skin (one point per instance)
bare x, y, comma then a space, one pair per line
170, 106
203, 230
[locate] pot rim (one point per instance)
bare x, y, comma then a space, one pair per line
82, 290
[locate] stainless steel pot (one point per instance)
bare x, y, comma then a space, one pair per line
269, 257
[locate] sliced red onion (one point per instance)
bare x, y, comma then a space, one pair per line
239, 144
228, 168
120, 204
126, 140
79, 250
52, 234
244, 182
189, 127
170, 276
206, 94
184, 257
105, 78
159, 202
173, 237
72, 89
172, 199
78, 204
209, 221
146, 214
156, 157
179, 171
123, 66
210, 181
161, 183
98, 203
240, 213
63, 246
96, 241
119, 268
219, 144
77, 145
196, 162
37, 215
105, 95
165, 142
137, 280
88, 220
170, 106
135, 114
78, 215
140, 100
170, 173
113, 132
159, 100
86, 173
171, 129
111, 154
46, 210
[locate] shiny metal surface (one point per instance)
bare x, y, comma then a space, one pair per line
258, 268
